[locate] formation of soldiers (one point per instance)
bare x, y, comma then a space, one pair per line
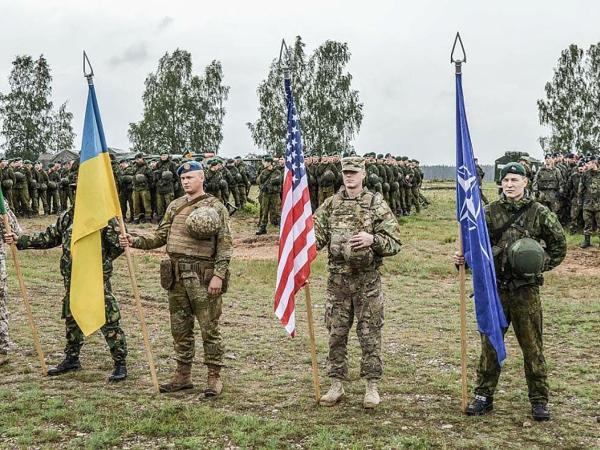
397, 178
570, 187
29, 189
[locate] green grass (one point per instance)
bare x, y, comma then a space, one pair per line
268, 398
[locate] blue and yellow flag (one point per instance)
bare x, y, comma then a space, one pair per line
96, 203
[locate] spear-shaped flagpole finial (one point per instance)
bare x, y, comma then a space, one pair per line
89, 74
286, 60
458, 61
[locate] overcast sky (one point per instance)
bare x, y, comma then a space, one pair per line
400, 60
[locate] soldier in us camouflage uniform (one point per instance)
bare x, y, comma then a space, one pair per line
4, 337
520, 296
59, 234
359, 230
589, 200
270, 182
195, 275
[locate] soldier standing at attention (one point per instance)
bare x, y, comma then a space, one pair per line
195, 229
548, 185
59, 234
270, 183
517, 223
53, 184
8, 181
359, 230
142, 175
589, 200
4, 338
166, 176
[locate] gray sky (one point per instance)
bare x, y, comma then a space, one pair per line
400, 60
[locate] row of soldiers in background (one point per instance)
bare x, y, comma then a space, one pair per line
27, 187
147, 187
398, 179
570, 187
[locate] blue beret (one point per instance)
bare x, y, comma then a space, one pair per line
189, 166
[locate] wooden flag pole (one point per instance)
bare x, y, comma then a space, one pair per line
313, 347
138, 304
36, 340
463, 322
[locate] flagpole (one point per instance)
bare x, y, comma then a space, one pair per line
462, 269
90, 78
313, 347
36, 340
138, 304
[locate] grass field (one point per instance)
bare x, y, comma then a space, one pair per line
268, 397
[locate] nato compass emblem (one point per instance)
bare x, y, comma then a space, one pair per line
471, 206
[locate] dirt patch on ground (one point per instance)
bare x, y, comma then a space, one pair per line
247, 245
581, 262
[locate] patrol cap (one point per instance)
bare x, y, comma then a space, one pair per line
189, 166
514, 168
353, 164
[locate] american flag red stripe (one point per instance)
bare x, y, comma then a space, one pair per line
297, 243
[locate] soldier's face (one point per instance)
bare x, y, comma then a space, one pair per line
513, 186
353, 180
192, 182
592, 165
164, 157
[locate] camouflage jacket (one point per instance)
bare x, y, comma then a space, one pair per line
212, 181
270, 181
548, 179
340, 217
589, 190
60, 234
537, 222
573, 186
142, 177
224, 246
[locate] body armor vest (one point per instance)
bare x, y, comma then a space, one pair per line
181, 243
548, 179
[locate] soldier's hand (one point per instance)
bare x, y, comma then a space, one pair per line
459, 259
361, 240
215, 285
10, 238
125, 240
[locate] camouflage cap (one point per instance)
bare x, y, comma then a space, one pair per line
514, 168
353, 164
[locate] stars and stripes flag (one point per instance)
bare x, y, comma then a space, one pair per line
297, 244
475, 238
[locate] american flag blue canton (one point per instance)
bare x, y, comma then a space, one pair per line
294, 160
475, 238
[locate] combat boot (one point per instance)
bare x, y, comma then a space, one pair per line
261, 230
119, 373
335, 393
480, 405
540, 412
69, 364
214, 385
586, 242
181, 379
371, 395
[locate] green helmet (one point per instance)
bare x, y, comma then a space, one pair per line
526, 257
203, 222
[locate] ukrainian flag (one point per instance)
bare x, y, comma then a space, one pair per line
96, 202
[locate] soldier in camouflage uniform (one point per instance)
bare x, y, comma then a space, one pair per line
520, 297
576, 212
236, 181
165, 178
196, 274
480, 175
59, 234
548, 185
65, 187
244, 185
21, 190
270, 182
142, 177
8, 180
42, 183
4, 337
588, 195
358, 229
126, 191
53, 184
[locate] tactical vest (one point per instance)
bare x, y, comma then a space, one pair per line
548, 179
181, 243
347, 218
518, 230
591, 196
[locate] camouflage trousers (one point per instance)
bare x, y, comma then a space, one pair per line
235, 193
53, 201
162, 201
126, 200
349, 295
113, 334
325, 192
4, 338
243, 191
591, 219
270, 207
415, 199
21, 200
141, 200
523, 308
66, 197
188, 301
576, 216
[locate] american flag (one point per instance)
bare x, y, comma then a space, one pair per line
297, 244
